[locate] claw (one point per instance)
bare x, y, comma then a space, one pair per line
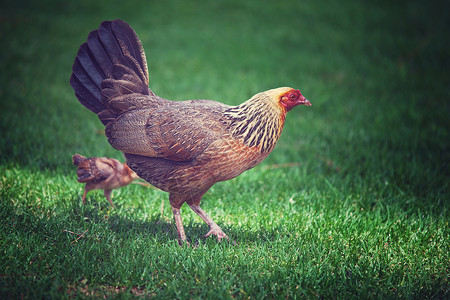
183, 242
217, 232
214, 228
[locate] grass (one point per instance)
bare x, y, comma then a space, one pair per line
352, 203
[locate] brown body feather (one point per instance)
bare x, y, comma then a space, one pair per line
182, 147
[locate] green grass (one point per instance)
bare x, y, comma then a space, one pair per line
352, 203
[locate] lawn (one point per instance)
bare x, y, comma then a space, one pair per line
354, 201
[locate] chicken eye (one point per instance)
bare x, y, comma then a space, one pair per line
292, 97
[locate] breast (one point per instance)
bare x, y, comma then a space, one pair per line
230, 158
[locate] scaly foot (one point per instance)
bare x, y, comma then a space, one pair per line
217, 232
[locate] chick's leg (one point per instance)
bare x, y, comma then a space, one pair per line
214, 228
84, 196
87, 188
107, 194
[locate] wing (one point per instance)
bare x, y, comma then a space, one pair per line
179, 132
181, 135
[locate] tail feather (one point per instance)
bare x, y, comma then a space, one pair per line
77, 159
132, 70
130, 42
86, 80
92, 169
109, 65
84, 171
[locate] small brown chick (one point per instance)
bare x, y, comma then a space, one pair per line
102, 173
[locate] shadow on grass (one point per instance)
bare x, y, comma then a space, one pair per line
163, 229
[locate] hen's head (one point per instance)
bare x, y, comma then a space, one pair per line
287, 98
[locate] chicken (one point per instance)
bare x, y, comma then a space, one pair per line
181, 147
102, 173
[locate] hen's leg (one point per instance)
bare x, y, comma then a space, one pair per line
213, 227
179, 223
176, 201
107, 194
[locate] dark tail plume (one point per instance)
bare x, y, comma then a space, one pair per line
110, 72
77, 159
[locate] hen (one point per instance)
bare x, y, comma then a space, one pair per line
102, 173
181, 147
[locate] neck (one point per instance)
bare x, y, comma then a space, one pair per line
258, 122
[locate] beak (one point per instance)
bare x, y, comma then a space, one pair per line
306, 102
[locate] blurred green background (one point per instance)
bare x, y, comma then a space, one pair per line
375, 140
